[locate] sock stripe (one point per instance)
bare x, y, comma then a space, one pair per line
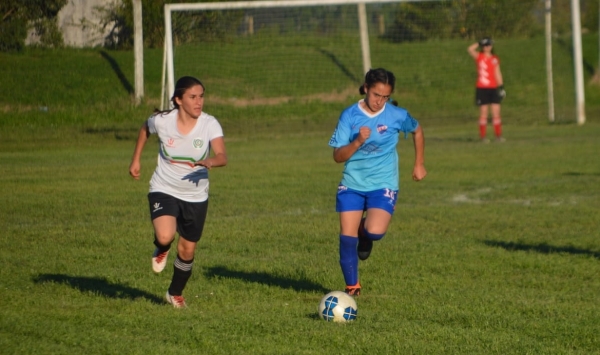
183, 265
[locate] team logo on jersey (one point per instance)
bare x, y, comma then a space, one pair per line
198, 143
369, 148
381, 128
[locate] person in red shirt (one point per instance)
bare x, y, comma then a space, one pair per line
490, 87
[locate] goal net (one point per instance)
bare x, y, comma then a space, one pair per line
270, 53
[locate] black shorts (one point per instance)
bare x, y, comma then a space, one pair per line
487, 96
190, 215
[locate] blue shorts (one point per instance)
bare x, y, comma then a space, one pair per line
352, 200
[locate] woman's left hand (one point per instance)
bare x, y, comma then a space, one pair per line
205, 163
419, 172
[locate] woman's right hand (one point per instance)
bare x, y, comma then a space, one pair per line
134, 170
363, 134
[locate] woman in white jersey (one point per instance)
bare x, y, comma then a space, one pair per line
178, 195
365, 139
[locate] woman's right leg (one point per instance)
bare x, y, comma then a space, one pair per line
483, 118
349, 224
165, 228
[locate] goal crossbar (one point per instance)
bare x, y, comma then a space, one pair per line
274, 3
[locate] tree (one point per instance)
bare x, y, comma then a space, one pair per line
18, 16
199, 26
462, 18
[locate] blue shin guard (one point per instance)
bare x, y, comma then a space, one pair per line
349, 259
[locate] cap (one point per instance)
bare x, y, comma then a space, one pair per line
485, 42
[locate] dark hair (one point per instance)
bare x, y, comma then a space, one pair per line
375, 76
181, 86
486, 41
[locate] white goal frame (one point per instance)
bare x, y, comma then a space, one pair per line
168, 80
168, 63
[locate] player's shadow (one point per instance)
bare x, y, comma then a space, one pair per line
542, 248
301, 284
97, 286
115, 67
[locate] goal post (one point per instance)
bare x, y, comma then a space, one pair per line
169, 9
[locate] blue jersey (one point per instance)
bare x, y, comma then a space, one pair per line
375, 164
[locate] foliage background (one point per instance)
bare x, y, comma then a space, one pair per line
409, 21
19, 16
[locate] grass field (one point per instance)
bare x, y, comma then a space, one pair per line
497, 251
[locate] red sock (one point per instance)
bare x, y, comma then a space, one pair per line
498, 126
482, 131
483, 127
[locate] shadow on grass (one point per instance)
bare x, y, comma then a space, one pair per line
542, 248
129, 134
340, 65
98, 286
314, 316
115, 67
465, 139
576, 173
568, 46
264, 278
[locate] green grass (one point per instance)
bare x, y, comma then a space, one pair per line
92, 89
495, 252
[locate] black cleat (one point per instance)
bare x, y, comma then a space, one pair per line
365, 245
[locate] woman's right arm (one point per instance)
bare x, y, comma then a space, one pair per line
473, 50
344, 153
134, 167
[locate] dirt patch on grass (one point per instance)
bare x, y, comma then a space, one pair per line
269, 101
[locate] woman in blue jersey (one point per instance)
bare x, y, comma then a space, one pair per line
178, 195
365, 140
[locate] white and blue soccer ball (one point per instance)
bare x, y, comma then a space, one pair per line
338, 306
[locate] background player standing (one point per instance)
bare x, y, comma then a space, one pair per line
365, 139
489, 88
178, 195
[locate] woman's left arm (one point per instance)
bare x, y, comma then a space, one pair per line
499, 79
419, 171
219, 158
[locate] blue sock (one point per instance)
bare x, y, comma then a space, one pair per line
372, 236
349, 259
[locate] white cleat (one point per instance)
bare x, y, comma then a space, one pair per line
159, 261
176, 301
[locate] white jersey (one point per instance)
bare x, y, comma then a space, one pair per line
175, 172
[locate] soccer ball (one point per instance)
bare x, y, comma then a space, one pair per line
337, 306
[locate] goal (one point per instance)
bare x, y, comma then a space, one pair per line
268, 53
304, 41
